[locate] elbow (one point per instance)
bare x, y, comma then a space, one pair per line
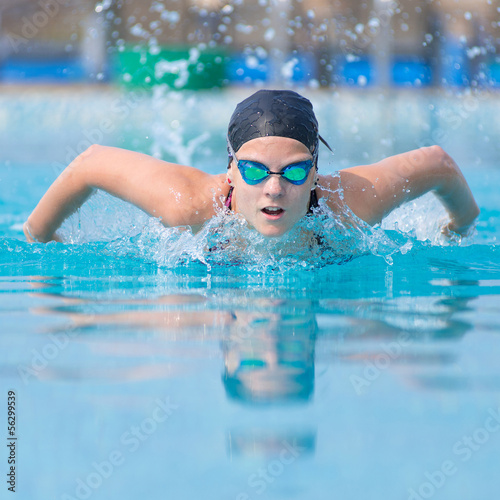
82, 169
439, 156
444, 160
90, 153
445, 169
437, 150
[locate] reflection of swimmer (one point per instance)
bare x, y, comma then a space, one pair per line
270, 359
272, 179
268, 443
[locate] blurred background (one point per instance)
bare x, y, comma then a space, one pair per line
163, 76
201, 44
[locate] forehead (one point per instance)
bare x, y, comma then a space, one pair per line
271, 145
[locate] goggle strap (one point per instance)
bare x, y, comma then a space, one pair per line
231, 151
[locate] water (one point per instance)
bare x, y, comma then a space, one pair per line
145, 364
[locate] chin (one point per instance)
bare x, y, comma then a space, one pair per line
273, 231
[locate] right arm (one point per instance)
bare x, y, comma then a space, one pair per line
179, 195
373, 191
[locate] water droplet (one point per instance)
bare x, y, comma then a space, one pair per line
154, 50
244, 28
269, 34
362, 80
314, 84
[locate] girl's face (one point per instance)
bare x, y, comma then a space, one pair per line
274, 205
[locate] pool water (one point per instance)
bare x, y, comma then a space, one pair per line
145, 365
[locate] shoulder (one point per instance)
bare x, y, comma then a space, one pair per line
190, 196
178, 194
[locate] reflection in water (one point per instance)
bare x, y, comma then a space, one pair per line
268, 346
267, 443
272, 353
270, 359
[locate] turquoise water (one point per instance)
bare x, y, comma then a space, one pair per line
145, 365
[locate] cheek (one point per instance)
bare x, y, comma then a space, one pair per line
303, 199
246, 198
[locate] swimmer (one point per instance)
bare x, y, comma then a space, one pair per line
272, 178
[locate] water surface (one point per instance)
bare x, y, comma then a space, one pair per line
146, 365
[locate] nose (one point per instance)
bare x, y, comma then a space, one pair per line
274, 186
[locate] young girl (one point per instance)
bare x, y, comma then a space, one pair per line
272, 178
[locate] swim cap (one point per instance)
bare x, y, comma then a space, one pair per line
282, 113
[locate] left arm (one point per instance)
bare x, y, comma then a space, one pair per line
373, 191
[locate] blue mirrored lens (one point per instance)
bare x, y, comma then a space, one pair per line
252, 172
298, 172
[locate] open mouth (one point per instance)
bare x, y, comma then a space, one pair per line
273, 211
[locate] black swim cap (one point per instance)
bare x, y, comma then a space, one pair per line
282, 113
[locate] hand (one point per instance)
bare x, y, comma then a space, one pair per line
31, 238
455, 234
27, 233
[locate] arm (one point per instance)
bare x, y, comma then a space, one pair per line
373, 191
179, 195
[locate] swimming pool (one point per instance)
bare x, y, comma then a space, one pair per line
142, 367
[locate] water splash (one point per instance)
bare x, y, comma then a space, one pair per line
423, 219
321, 239
179, 68
318, 240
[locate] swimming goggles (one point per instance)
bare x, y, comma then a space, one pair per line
254, 172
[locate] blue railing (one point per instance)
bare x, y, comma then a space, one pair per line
452, 68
